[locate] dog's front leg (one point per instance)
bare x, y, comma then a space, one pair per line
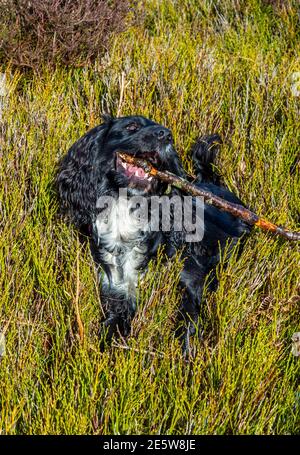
188, 325
118, 311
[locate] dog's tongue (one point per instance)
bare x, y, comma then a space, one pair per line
133, 170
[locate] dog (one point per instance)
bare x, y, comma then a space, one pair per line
93, 171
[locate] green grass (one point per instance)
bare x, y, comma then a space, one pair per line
197, 67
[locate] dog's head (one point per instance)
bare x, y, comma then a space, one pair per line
93, 166
142, 138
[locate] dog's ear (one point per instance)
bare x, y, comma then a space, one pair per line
204, 152
81, 174
107, 118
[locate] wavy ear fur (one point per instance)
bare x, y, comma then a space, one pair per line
80, 178
205, 152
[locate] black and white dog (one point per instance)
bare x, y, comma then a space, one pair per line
122, 248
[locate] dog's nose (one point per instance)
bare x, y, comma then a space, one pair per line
163, 134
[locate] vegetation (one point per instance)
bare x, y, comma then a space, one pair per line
198, 67
71, 32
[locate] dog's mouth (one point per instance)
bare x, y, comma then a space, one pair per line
136, 175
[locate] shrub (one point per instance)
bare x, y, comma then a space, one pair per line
70, 32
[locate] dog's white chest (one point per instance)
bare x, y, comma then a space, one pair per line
123, 247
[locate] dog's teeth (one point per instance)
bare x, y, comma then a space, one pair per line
150, 178
124, 165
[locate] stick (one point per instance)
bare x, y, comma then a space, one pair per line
234, 209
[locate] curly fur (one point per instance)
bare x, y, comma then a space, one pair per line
121, 250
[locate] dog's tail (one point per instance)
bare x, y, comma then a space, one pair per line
204, 152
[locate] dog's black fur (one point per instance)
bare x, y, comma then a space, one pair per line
92, 168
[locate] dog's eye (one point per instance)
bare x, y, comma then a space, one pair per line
133, 126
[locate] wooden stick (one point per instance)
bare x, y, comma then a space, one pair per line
234, 209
